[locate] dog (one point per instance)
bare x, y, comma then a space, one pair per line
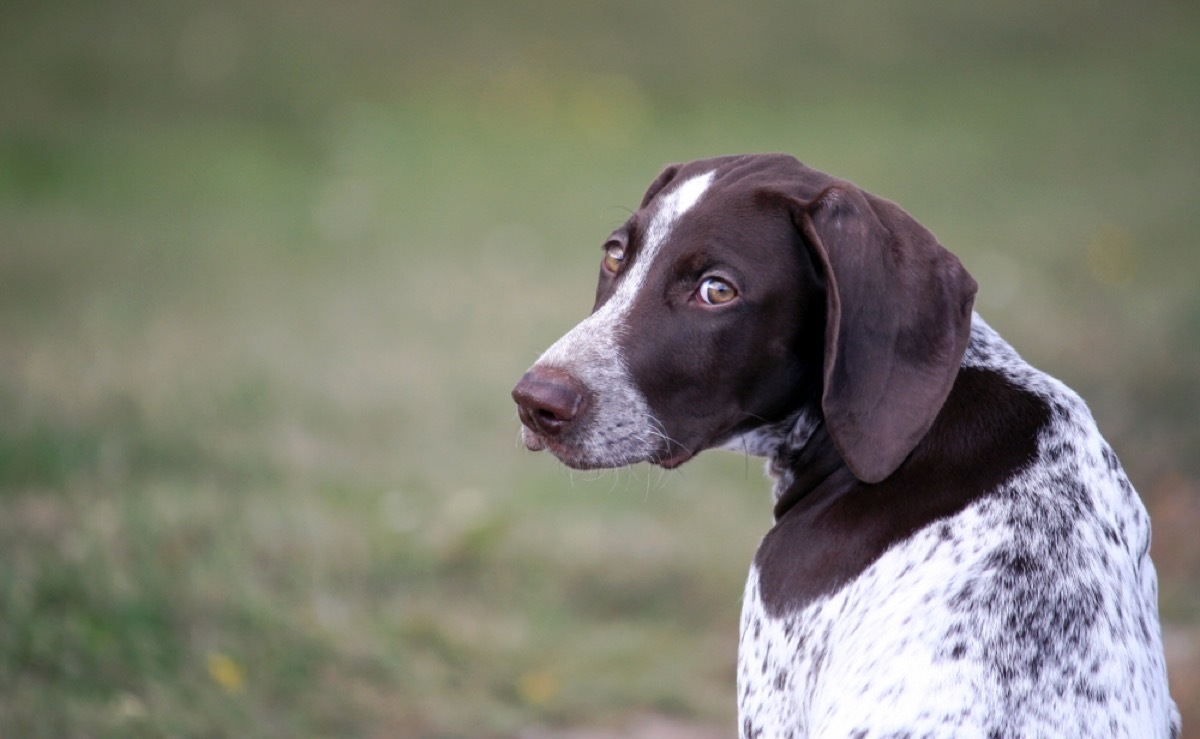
956, 551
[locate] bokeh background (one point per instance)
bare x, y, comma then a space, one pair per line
268, 271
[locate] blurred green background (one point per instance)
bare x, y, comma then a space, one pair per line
269, 270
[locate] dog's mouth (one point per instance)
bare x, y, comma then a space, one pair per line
566, 453
532, 441
671, 461
578, 459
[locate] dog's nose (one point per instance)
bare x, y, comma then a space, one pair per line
549, 400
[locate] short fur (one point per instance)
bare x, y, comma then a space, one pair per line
957, 551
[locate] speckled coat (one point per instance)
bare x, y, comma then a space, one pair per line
1029, 611
956, 550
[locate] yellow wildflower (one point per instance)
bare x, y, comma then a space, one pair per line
226, 672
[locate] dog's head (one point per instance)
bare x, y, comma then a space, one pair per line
743, 291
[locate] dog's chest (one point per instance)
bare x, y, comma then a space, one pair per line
849, 658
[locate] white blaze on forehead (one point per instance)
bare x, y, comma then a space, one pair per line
671, 207
603, 325
622, 426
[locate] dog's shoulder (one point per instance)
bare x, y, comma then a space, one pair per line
1066, 589
1037, 583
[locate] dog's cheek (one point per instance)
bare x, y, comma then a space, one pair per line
680, 372
773, 374
695, 393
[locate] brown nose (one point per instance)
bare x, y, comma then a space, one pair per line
549, 400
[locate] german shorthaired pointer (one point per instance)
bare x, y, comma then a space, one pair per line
956, 550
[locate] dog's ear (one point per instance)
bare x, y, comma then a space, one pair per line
897, 323
659, 183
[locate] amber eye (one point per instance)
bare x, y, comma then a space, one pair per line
715, 291
614, 257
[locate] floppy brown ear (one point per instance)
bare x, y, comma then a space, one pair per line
663, 179
897, 324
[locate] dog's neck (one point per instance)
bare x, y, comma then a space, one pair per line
800, 455
798, 470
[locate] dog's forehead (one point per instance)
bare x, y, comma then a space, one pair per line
724, 183
699, 208
739, 177
673, 203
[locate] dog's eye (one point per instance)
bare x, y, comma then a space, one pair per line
614, 257
715, 291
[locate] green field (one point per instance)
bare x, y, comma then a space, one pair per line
268, 273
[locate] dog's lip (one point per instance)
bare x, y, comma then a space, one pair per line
672, 461
533, 442
569, 456
563, 454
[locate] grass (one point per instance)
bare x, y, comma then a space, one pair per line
259, 474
